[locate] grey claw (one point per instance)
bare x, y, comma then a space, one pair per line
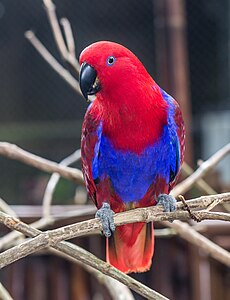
105, 214
168, 202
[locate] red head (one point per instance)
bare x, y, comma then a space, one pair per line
110, 69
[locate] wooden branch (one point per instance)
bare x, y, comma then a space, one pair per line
42, 240
69, 40
52, 237
48, 195
4, 294
66, 55
192, 236
185, 185
200, 183
6, 208
48, 57
205, 201
116, 289
14, 152
7, 240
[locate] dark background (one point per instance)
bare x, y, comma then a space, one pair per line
42, 114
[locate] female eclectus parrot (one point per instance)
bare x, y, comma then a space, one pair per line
132, 148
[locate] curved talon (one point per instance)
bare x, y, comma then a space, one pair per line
168, 202
105, 214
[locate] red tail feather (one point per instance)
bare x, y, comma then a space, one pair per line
131, 247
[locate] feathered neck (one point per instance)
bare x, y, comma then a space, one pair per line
132, 119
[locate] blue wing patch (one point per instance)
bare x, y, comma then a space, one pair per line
174, 141
95, 168
132, 174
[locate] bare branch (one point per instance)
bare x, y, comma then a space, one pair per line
4, 294
65, 74
42, 240
200, 183
52, 237
48, 195
14, 152
189, 234
185, 185
50, 10
116, 289
69, 38
66, 55
6, 208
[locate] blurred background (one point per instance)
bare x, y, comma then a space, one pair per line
184, 45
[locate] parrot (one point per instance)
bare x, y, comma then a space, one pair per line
132, 148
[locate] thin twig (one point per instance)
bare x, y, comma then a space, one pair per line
50, 10
48, 195
200, 183
69, 38
192, 236
65, 74
186, 184
7, 209
191, 214
66, 55
4, 294
14, 152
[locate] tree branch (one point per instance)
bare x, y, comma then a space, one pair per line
116, 289
200, 183
4, 294
52, 237
48, 195
14, 152
6, 208
192, 236
43, 240
68, 56
47, 56
186, 184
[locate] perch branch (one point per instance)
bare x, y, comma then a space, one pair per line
42, 240
14, 152
52, 237
7, 240
47, 56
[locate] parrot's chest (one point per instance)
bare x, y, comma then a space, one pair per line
131, 174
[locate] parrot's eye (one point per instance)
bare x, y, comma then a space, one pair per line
110, 60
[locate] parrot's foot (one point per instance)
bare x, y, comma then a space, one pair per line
105, 214
168, 202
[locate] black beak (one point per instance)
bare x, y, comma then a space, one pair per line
88, 80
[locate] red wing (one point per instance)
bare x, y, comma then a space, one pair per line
180, 130
89, 139
181, 136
